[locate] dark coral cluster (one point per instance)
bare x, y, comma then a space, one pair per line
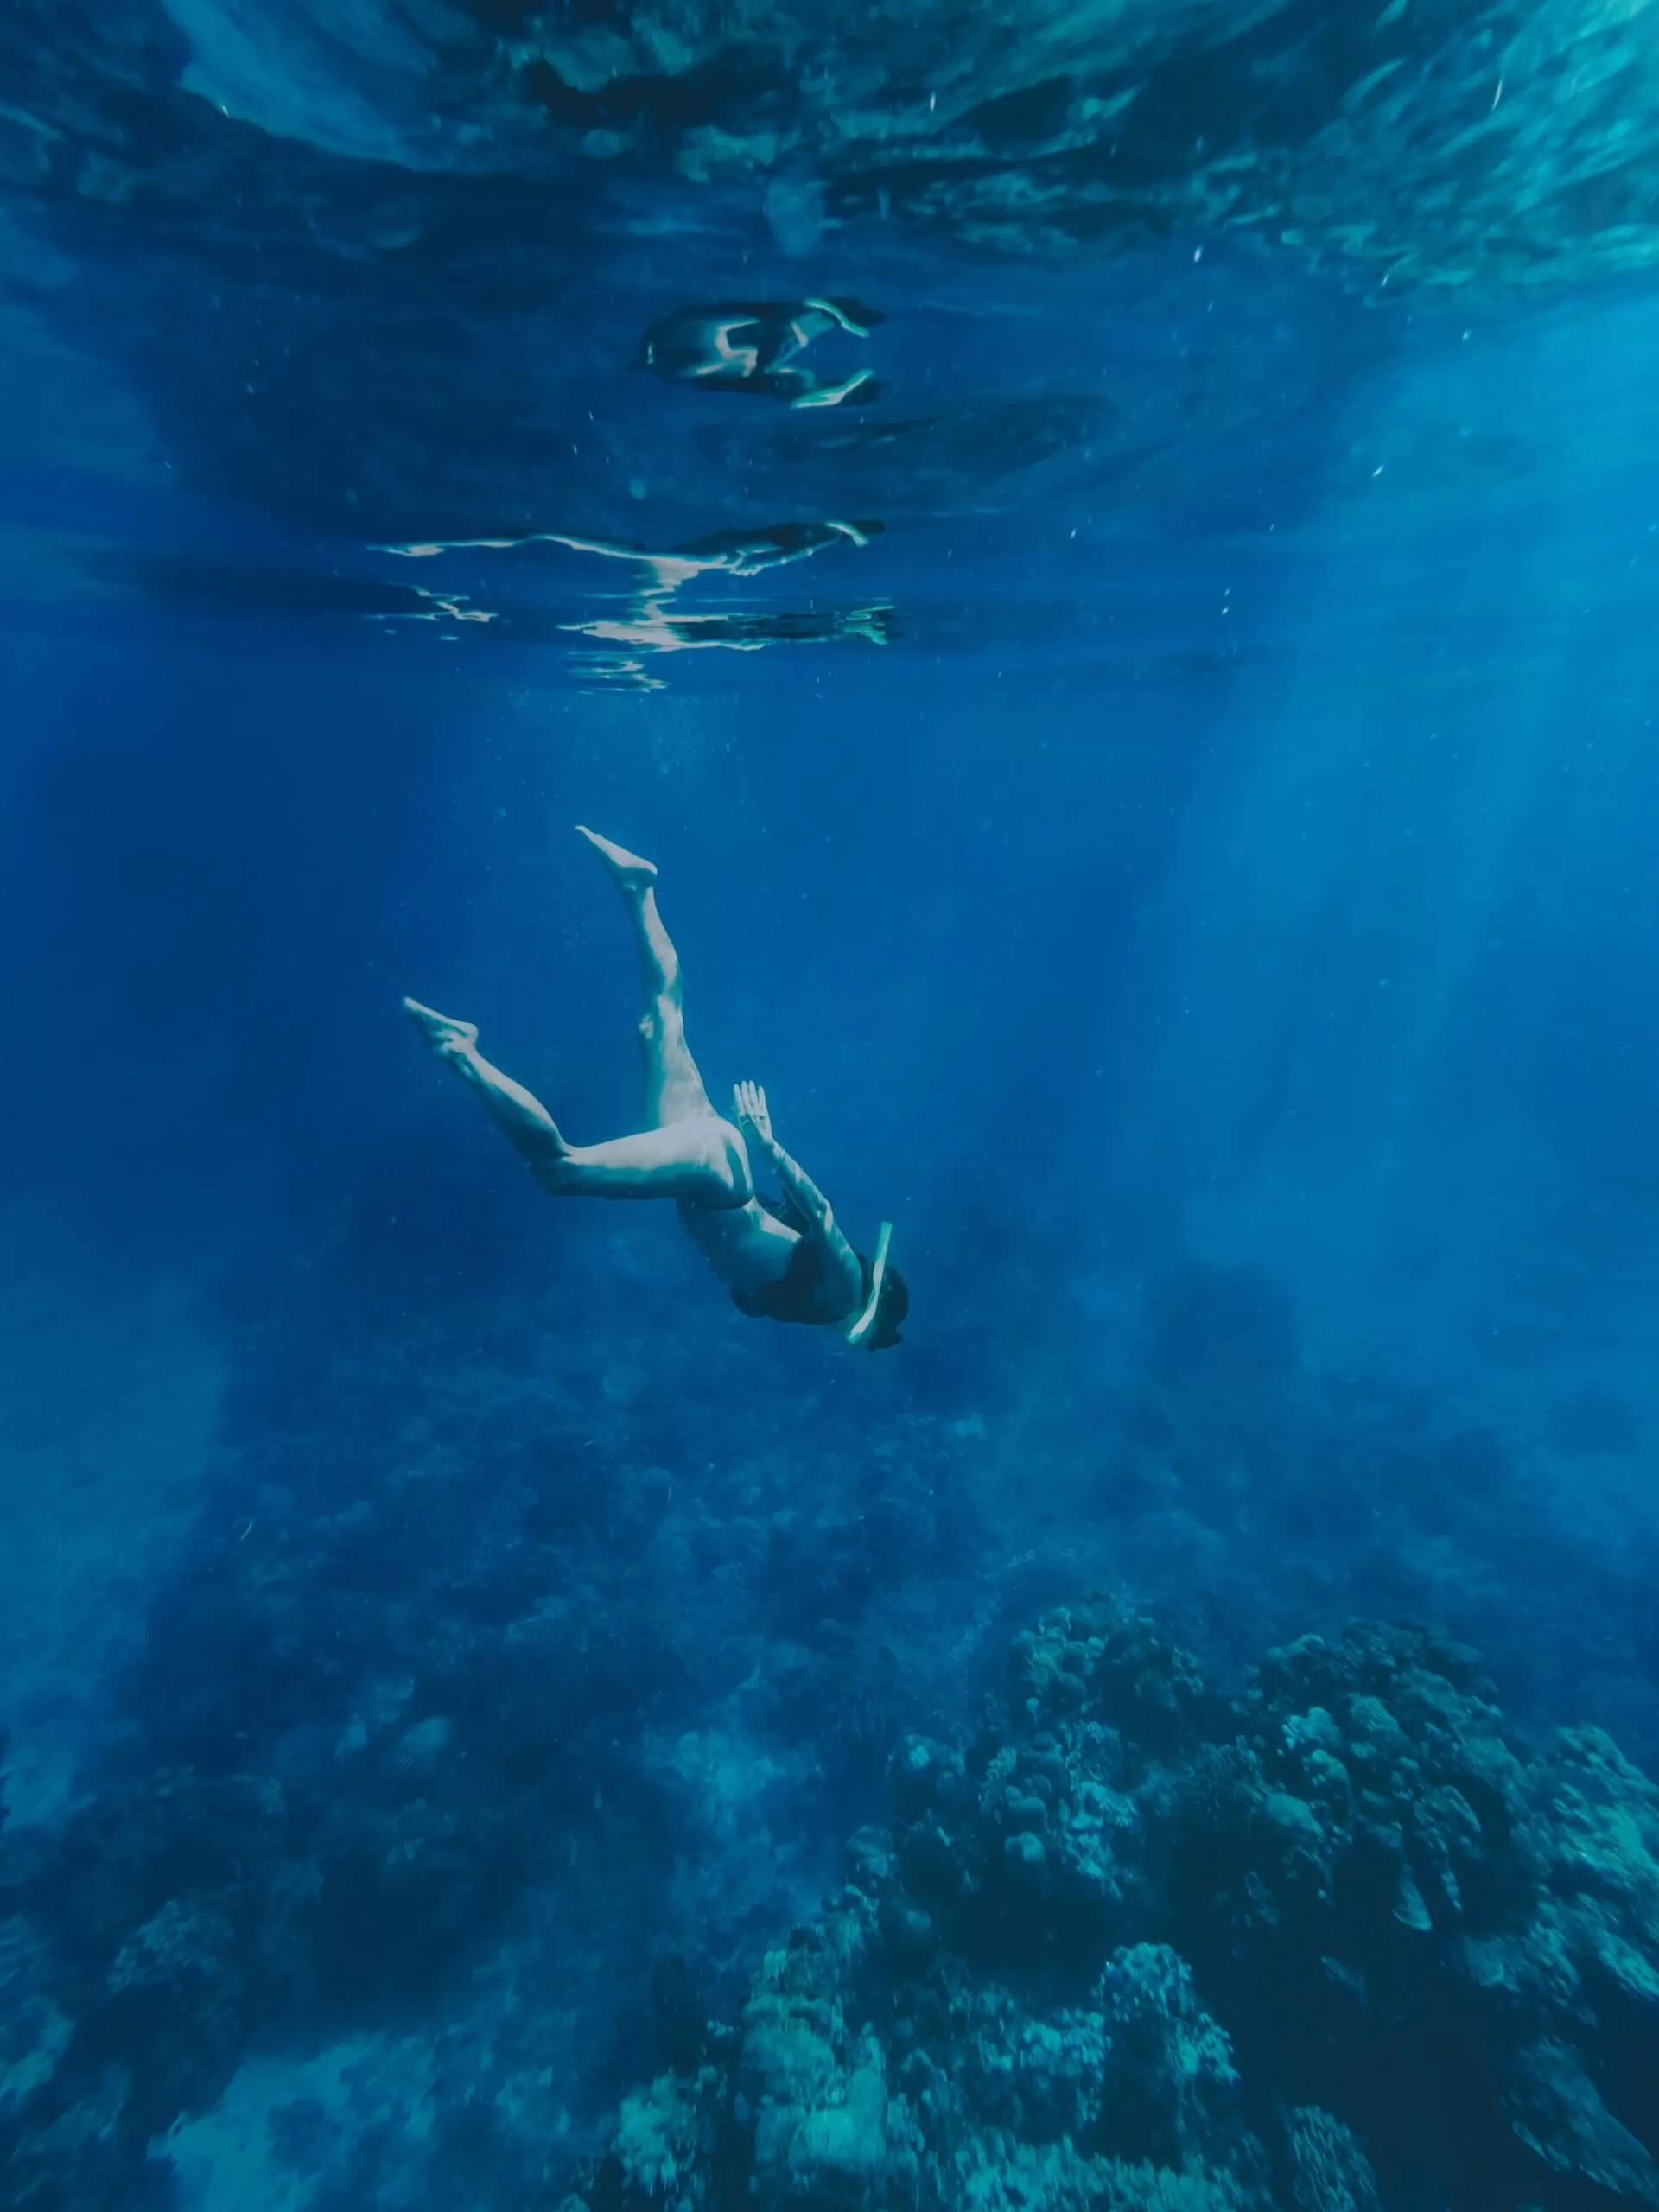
393, 1729
484, 1689
179, 1916
1332, 1945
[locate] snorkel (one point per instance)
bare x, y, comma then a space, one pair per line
864, 1323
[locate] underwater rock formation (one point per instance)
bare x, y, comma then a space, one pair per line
505, 1713
1335, 1942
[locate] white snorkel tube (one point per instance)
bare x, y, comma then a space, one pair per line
860, 1330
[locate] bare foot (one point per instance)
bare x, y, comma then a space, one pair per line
450, 1039
632, 873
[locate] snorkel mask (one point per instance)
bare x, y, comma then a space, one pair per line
861, 1329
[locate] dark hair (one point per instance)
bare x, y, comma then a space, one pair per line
893, 1306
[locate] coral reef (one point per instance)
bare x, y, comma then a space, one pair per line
503, 1710
1336, 1942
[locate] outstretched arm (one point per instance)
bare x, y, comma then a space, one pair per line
755, 1119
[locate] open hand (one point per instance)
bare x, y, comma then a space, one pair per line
752, 1117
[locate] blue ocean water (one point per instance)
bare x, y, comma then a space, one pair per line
1109, 561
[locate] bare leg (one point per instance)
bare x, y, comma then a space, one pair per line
674, 1089
699, 1159
522, 1117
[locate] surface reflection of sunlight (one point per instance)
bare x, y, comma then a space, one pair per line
441, 607
651, 623
650, 629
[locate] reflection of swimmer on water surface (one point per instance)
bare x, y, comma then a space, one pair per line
757, 345
748, 552
652, 623
784, 1260
737, 552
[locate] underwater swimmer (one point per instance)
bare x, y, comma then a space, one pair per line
786, 1263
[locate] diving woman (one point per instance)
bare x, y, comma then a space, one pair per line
786, 1260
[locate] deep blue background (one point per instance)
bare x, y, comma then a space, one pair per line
1288, 882
1218, 928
